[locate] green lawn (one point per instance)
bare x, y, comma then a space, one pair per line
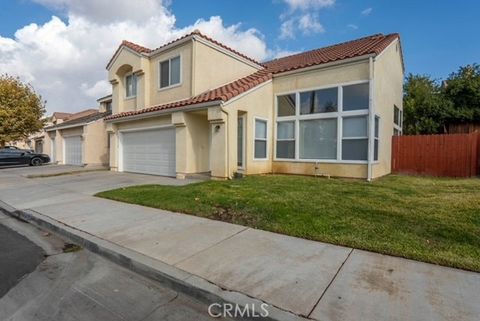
428, 219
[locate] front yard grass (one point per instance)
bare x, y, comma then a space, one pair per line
434, 220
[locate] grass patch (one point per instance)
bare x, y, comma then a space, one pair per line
434, 220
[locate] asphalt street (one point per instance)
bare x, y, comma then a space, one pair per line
40, 281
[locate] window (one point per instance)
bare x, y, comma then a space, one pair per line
108, 106
318, 139
397, 121
355, 138
286, 105
355, 97
131, 85
260, 139
376, 136
319, 101
286, 139
170, 72
328, 124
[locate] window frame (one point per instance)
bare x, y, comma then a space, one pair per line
398, 126
376, 138
354, 137
265, 120
294, 139
339, 114
159, 78
134, 76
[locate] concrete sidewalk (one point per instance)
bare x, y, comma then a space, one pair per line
296, 276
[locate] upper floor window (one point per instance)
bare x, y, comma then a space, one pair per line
170, 72
130, 85
108, 106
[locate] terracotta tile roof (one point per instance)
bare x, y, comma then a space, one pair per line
61, 115
221, 94
80, 114
368, 45
374, 44
143, 50
81, 119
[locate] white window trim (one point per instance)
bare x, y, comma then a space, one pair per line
398, 127
294, 139
339, 115
136, 86
169, 59
267, 145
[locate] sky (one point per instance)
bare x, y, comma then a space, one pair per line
62, 47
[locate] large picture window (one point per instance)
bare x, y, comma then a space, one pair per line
327, 124
318, 139
170, 72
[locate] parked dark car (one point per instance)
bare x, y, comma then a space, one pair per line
15, 156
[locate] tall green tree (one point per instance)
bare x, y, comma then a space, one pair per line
21, 110
425, 109
462, 88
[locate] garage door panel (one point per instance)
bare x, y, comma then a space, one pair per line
73, 150
149, 151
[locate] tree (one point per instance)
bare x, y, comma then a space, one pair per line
463, 90
21, 110
425, 109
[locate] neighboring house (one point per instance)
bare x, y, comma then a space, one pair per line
36, 141
81, 139
196, 106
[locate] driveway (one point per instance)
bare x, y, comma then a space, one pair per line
74, 179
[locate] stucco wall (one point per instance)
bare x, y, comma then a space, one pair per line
95, 144
337, 170
321, 77
257, 103
213, 68
176, 92
388, 84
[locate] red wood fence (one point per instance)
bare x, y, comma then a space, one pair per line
456, 155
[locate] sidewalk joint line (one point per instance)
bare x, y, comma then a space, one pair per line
208, 248
330, 283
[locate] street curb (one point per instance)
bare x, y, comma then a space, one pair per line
169, 276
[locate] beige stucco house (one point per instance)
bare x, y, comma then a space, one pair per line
81, 138
196, 106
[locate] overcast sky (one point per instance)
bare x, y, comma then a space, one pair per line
62, 46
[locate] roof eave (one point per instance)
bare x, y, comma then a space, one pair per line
165, 111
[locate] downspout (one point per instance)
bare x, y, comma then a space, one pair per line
227, 129
371, 119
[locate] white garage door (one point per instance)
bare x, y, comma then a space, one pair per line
149, 151
73, 150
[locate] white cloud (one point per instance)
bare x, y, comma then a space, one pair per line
287, 29
308, 4
309, 23
65, 59
352, 26
302, 15
279, 53
367, 12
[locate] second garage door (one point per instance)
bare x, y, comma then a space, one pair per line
149, 151
73, 150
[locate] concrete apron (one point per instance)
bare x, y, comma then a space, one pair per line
168, 275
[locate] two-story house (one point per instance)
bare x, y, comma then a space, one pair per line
197, 106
